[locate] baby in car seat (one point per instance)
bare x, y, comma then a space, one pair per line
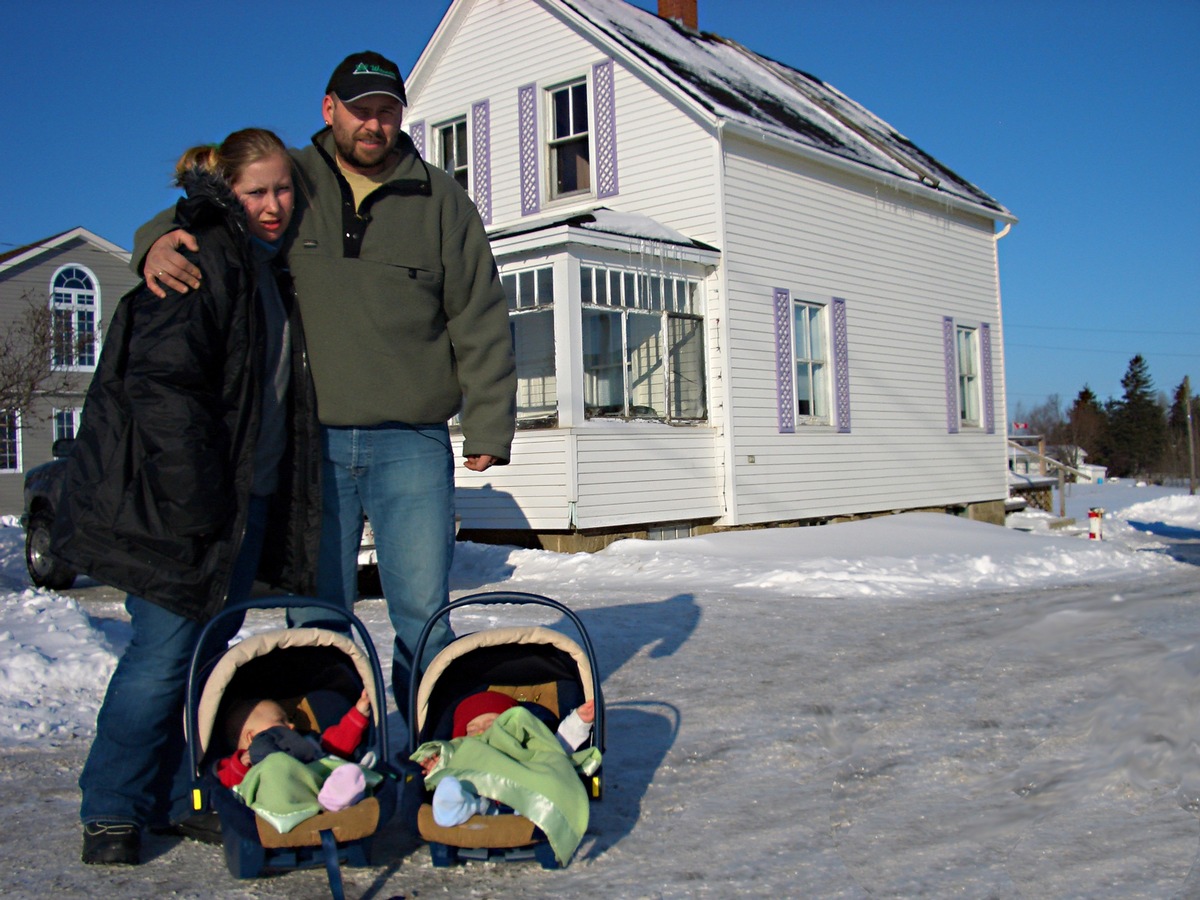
261, 728
502, 754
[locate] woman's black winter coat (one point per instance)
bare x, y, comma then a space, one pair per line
157, 486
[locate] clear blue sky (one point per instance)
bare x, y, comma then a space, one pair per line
1081, 116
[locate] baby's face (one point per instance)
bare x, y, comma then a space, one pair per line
266, 714
480, 724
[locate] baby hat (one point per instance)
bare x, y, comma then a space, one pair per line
478, 705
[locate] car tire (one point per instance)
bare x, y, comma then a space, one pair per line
44, 570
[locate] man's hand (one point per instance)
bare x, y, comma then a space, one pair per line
167, 269
587, 712
474, 463
428, 763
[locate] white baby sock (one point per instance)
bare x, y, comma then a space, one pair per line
454, 803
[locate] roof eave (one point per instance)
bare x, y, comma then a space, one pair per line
575, 235
55, 241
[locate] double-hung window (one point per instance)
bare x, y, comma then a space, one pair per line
452, 150
643, 345
531, 319
10, 441
66, 423
967, 345
75, 309
569, 140
810, 329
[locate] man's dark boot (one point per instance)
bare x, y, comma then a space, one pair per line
112, 844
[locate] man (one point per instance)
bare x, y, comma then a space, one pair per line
407, 325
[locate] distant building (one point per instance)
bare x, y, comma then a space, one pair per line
737, 296
80, 276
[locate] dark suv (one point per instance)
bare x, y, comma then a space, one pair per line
43, 484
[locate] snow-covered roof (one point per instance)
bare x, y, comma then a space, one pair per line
739, 86
606, 221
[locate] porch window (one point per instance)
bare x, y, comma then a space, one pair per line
452, 150
643, 345
967, 343
570, 152
75, 307
531, 319
810, 329
10, 441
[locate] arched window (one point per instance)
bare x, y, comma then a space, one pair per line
75, 304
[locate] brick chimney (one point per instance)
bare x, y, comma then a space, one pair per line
681, 11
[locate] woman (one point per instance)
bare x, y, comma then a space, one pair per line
196, 469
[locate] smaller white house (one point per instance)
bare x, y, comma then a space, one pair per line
80, 276
737, 297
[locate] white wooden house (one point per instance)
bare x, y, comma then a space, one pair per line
737, 297
79, 276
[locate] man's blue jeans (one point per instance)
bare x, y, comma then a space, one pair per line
138, 770
402, 477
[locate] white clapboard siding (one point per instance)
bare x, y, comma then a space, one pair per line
646, 474
501, 46
532, 492
640, 473
901, 265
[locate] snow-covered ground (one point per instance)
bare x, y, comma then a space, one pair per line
915, 705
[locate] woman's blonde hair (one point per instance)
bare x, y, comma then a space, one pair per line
231, 157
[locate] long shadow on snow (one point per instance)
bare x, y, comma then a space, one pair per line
638, 733
1162, 529
1184, 543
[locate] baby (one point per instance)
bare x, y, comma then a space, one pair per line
453, 801
260, 728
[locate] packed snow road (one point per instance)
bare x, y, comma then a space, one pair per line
912, 706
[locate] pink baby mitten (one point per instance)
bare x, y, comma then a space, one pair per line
344, 787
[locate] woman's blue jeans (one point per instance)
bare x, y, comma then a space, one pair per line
402, 477
138, 769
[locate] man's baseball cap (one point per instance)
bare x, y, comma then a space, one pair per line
360, 74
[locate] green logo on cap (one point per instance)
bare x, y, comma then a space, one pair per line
364, 69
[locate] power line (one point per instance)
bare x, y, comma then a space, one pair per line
1058, 327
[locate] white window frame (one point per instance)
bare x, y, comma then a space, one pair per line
457, 168
970, 382
812, 367
555, 143
530, 291
61, 415
632, 297
10, 436
75, 305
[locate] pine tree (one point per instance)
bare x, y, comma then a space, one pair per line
1137, 424
1177, 428
1087, 429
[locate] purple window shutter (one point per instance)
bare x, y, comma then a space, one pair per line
527, 102
606, 129
481, 159
416, 131
784, 368
985, 362
951, 375
841, 366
